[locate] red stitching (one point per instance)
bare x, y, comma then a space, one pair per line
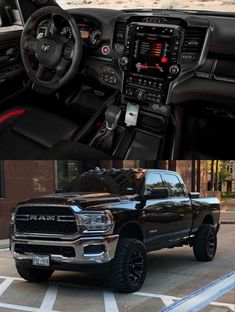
11, 114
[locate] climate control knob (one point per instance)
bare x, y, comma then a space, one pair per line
174, 69
124, 61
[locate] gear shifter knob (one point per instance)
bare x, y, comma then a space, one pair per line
112, 116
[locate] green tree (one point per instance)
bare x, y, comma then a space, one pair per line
218, 172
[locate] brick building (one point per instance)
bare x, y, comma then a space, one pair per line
228, 185
24, 179
21, 180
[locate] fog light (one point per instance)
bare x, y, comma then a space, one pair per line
94, 249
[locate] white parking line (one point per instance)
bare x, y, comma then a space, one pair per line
21, 308
17, 307
4, 285
49, 299
4, 249
226, 305
171, 299
167, 300
203, 296
14, 278
110, 303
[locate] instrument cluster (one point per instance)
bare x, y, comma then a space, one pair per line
90, 30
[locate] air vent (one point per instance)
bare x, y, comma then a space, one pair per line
119, 38
120, 33
194, 39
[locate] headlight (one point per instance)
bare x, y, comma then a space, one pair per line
95, 222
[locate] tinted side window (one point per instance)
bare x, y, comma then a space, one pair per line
173, 184
152, 181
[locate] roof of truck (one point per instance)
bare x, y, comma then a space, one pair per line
114, 170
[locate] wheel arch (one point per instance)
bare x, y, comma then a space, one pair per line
131, 230
208, 219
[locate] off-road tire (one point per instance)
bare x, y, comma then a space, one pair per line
205, 243
33, 274
129, 266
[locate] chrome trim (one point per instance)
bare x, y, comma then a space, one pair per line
33, 217
46, 205
63, 219
44, 235
98, 232
110, 242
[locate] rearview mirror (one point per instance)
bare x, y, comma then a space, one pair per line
157, 194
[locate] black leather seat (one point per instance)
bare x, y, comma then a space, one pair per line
32, 133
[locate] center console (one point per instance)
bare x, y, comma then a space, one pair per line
150, 62
151, 54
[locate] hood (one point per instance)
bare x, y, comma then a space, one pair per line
87, 201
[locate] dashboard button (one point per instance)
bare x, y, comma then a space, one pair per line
105, 50
174, 69
124, 61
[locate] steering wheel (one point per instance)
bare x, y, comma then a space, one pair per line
58, 58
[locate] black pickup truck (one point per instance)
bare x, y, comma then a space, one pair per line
111, 219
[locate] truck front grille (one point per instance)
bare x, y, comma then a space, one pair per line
45, 220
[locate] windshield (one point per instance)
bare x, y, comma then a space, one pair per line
205, 5
121, 183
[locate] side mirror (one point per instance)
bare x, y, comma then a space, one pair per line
158, 193
194, 195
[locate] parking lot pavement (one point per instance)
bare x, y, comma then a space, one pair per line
172, 275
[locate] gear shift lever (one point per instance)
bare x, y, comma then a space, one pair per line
112, 116
105, 137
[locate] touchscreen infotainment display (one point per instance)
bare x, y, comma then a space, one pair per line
151, 51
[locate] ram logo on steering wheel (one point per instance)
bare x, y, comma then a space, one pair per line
45, 47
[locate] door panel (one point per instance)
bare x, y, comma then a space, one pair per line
11, 67
181, 203
166, 220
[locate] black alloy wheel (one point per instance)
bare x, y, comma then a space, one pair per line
129, 266
205, 243
136, 266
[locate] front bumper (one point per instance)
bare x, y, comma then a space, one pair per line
109, 244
